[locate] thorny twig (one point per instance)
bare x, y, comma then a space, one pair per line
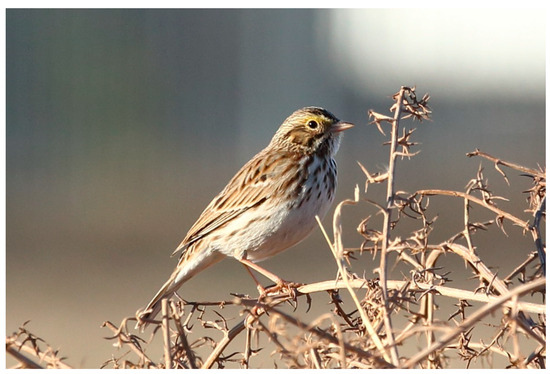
337, 251
474, 318
26, 348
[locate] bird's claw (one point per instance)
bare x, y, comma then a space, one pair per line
283, 287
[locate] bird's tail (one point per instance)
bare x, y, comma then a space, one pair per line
183, 272
144, 316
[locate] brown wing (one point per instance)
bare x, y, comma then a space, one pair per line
250, 187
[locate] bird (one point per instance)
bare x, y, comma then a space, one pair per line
267, 207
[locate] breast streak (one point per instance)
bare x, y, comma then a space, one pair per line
289, 223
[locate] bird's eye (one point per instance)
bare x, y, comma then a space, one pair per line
312, 124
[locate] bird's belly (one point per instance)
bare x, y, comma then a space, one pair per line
278, 224
264, 233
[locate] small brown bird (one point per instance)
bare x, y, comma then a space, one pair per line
268, 206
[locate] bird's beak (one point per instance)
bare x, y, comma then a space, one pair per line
341, 126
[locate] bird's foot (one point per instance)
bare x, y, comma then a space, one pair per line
284, 287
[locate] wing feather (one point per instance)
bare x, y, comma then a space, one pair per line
246, 190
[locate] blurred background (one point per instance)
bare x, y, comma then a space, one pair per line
123, 124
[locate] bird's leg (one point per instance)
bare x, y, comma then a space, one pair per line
251, 265
260, 288
280, 284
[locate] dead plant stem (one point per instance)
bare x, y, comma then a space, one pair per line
487, 309
166, 333
383, 270
367, 324
473, 199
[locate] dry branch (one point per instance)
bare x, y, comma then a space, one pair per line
537, 285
